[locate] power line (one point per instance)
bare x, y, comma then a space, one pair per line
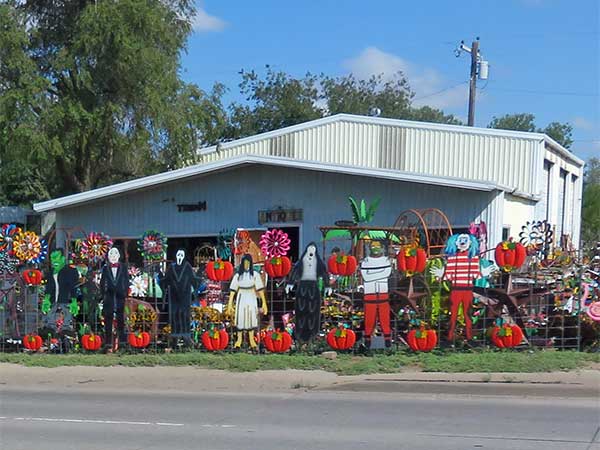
439, 92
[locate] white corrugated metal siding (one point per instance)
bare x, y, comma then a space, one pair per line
508, 161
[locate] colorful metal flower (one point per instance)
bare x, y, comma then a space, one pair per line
95, 247
274, 243
152, 245
29, 248
8, 232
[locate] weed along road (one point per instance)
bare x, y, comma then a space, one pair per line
85, 418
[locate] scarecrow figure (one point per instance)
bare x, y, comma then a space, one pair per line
245, 288
305, 274
462, 268
181, 282
114, 286
375, 270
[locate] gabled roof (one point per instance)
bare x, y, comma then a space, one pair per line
205, 169
401, 123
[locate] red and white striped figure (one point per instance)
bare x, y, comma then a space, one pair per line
462, 269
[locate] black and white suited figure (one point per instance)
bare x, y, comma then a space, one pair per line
114, 286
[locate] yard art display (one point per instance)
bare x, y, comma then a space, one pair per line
507, 336
215, 340
462, 268
95, 247
375, 270
341, 338
181, 282
91, 342
274, 243
246, 287
422, 340
60, 302
152, 245
342, 265
219, 270
278, 267
305, 276
411, 260
139, 339
8, 232
32, 342
114, 286
510, 255
32, 277
277, 341
28, 247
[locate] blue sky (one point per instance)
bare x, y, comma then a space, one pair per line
544, 55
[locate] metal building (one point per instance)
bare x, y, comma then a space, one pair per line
307, 171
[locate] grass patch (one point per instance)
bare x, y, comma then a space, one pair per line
475, 361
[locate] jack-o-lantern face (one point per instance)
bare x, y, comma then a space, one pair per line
463, 242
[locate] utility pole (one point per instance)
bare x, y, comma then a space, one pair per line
478, 67
473, 82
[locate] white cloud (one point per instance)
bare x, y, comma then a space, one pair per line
429, 85
583, 124
203, 21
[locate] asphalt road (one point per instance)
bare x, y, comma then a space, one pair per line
297, 419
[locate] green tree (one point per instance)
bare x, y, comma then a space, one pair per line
516, 122
277, 99
590, 214
560, 132
90, 94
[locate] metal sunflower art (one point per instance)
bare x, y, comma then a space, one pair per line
152, 245
95, 247
29, 248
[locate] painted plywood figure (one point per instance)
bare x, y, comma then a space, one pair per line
375, 271
61, 292
462, 269
246, 289
181, 282
114, 285
305, 275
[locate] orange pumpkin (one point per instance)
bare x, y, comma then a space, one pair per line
32, 277
422, 340
277, 341
32, 342
140, 339
510, 255
341, 264
215, 340
341, 338
91, 342
507, 336
219, 270
278, 267
411, 260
